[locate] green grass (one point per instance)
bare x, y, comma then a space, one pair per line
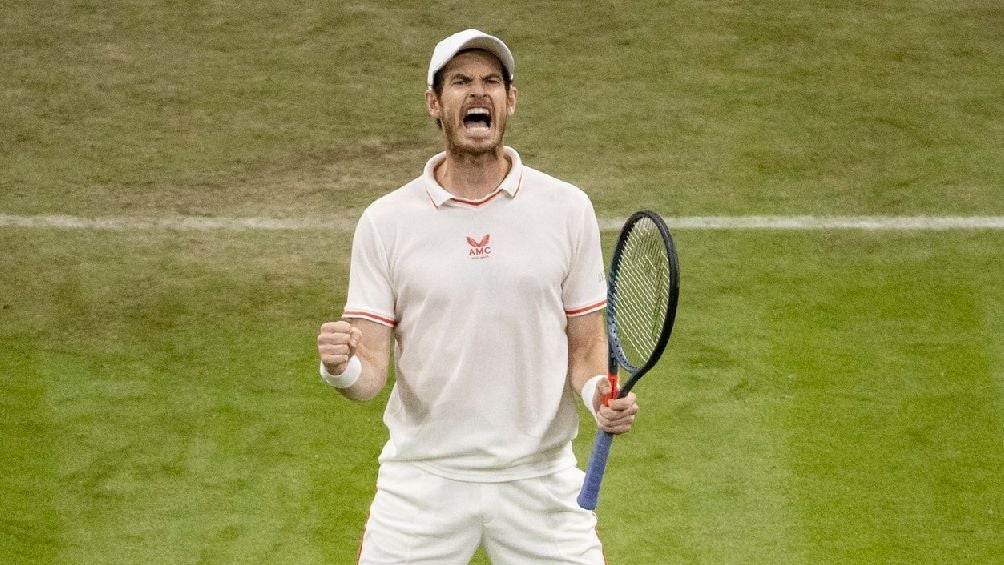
174, 396
164, 404
693, 108
828, 397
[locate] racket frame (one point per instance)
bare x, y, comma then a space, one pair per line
616, 352
589, 495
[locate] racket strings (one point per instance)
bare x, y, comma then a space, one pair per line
642, 292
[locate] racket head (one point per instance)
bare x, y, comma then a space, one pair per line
643, 293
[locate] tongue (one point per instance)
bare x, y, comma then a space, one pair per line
476, 123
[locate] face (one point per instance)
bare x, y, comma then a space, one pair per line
474, 104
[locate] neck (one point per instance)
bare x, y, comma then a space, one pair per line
473, 176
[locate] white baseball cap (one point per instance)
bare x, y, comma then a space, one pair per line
469, 39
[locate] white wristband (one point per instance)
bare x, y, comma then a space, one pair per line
589, 391
346, 379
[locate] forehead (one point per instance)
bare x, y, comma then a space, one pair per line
475, 62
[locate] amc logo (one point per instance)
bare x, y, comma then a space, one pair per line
479, 248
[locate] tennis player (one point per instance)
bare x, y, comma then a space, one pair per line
486, 279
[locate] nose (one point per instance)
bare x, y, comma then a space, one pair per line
478, 88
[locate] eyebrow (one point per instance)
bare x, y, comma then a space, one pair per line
465, 76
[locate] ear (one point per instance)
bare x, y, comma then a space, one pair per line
511, 97
432, 105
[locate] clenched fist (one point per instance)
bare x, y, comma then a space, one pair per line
336, 344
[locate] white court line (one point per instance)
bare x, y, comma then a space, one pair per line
178, 223
904, 223
198, 223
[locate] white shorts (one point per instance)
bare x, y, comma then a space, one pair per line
421, 518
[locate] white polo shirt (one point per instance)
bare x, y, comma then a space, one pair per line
478, 293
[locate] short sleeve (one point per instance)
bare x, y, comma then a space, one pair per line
370, 295
585, 287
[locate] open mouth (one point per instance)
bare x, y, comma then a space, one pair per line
477, 119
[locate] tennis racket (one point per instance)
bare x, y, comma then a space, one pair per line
642, 293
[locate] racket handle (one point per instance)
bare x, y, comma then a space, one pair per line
614, 389
590, 494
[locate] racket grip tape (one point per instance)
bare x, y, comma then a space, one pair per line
590, 494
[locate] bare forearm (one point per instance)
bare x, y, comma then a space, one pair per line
355, 354
371, 380
587, 349
587, 358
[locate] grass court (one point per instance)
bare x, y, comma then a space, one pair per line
829, 396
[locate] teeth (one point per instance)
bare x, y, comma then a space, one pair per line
475, 111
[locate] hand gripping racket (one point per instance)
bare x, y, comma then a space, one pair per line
642, 292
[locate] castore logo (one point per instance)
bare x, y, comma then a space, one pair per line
479, 248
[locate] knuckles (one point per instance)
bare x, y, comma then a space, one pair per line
338, 338
329, 338
336, 327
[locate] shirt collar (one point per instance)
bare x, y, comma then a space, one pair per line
439, 195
